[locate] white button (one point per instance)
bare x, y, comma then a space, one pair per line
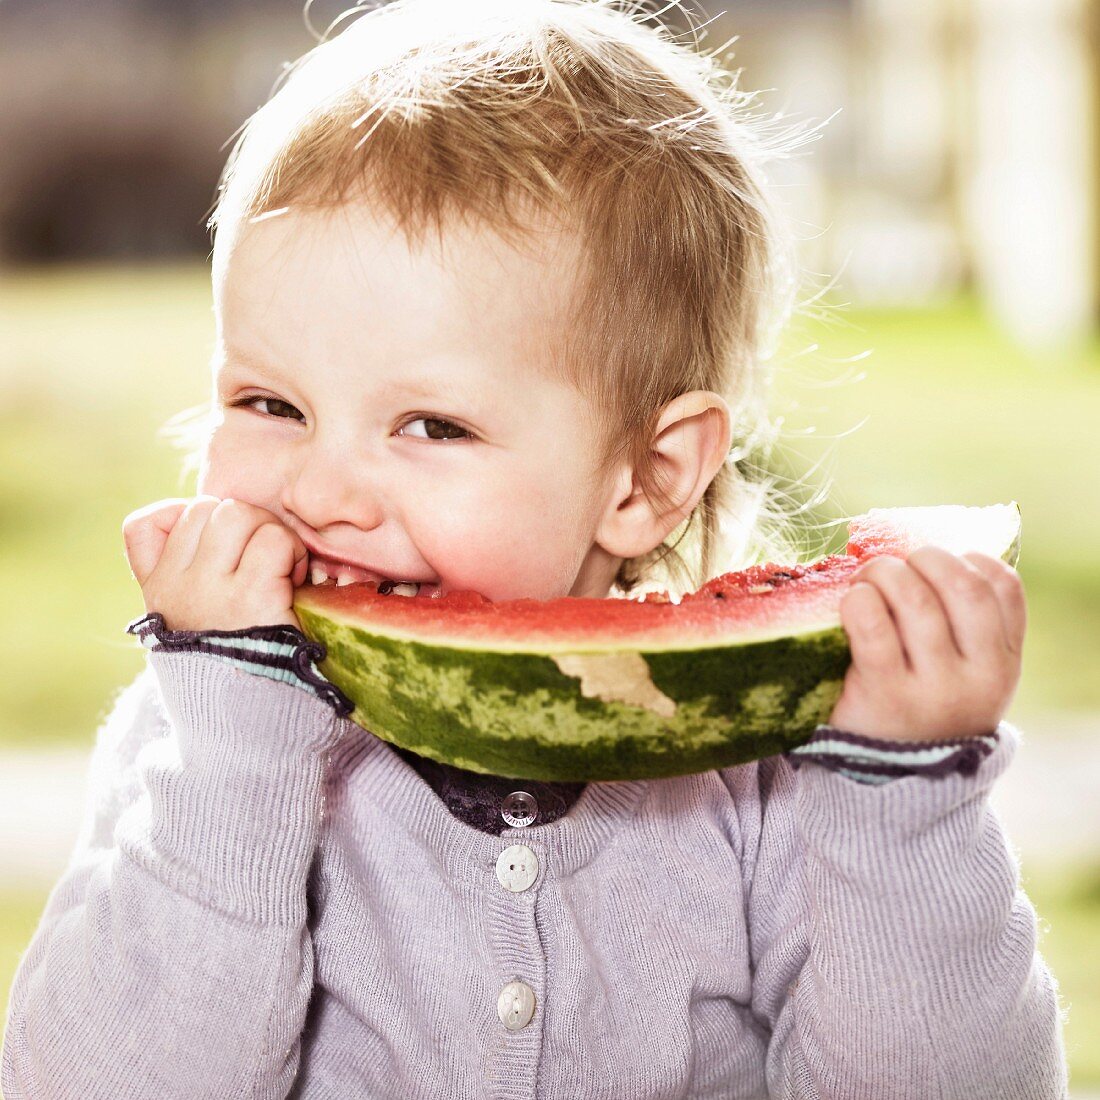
519, 809
517, 868
516, 1005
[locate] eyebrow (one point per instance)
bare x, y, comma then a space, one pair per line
442, 389
233, 355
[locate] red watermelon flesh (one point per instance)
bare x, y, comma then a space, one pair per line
587, 689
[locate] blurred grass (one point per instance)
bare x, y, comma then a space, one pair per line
942, 408
93, 361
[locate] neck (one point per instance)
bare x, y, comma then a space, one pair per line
596, 574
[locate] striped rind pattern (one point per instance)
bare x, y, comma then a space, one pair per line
512, 711
517, 714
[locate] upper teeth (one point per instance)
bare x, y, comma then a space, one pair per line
319, 575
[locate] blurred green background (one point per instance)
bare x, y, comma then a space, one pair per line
953, 195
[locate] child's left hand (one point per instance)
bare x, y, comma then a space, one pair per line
936, 645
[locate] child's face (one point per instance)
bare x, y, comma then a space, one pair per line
395, 411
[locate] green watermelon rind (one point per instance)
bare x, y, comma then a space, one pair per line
517, 714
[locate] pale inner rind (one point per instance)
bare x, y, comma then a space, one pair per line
621, 677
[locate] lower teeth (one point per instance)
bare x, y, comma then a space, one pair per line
403, 588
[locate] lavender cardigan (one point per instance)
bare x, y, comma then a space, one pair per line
267, 901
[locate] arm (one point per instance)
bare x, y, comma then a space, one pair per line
173, 956
894, 951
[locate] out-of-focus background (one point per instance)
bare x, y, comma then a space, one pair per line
947, 214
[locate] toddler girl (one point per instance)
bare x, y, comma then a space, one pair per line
493, 285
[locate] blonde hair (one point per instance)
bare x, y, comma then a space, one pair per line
487, 110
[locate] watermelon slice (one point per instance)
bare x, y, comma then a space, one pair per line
576, 689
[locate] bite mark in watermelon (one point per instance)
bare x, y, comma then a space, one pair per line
585, 690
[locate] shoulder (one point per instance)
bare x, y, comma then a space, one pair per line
136, 718
729, 801
741, 789
136, 715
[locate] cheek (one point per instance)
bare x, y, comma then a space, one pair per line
244, 471
506, 542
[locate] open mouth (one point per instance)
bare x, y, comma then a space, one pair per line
326, 571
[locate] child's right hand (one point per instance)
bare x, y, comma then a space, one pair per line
210, 564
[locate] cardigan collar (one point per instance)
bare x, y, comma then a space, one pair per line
370, 779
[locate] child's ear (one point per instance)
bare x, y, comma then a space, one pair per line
689, 445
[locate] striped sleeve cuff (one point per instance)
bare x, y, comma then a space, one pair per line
281, 653
869, 760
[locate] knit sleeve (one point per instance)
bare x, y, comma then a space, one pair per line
173, 957
280, 653
874, 761
893, 948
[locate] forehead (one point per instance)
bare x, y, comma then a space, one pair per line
345, 281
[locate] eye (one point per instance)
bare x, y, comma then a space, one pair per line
272, 406
427, 427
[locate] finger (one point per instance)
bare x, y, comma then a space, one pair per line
872, 632
1011, 598
921, 618
183, 542
226, 534
301, 565
274, 551
968, 599
145, 532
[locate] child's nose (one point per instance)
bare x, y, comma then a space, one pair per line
325, 488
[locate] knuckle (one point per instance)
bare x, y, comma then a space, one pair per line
863, 575
985, 561
240, 521
972, 586
230, 514
859, 595
849, 596
863, 613
920, 597
881, 565
269, 537
198, 509
1012, 596
951, 571
992, 568
1010, 583
877, 629
231, 506
1003, 580
928, 554
146, 515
